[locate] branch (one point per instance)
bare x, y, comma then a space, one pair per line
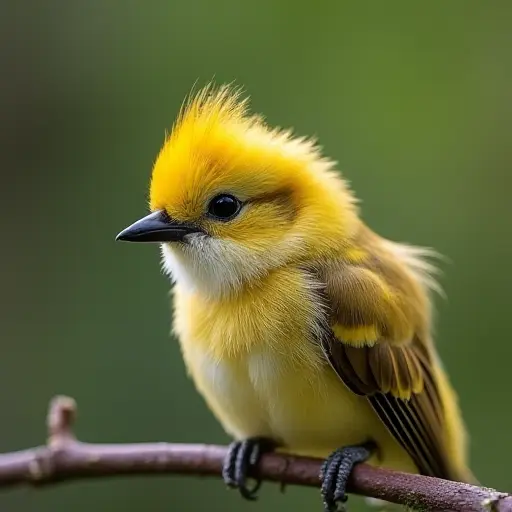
65, 458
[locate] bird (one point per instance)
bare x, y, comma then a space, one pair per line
303, 329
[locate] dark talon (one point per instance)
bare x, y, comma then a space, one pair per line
229, 464
242, 458
336, 471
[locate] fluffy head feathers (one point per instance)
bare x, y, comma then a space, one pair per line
296, 206
216, 145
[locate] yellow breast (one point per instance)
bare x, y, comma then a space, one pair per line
257, 363
245, 352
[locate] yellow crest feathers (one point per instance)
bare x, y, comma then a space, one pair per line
217, 144
225, 105
211, 105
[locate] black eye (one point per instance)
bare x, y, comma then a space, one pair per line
224, 206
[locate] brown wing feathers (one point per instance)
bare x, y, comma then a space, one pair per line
385, 375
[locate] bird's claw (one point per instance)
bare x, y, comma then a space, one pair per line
239, 464
335, 473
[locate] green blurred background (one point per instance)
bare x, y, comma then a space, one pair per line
413, 100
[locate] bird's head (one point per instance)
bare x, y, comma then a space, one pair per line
233, 199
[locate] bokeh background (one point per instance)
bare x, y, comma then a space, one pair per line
413, 100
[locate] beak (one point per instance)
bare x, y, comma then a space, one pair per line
157, 227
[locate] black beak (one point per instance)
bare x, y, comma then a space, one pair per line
157, 227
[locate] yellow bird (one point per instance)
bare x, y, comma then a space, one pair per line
303, 329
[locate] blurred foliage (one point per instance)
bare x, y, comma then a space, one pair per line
413, 100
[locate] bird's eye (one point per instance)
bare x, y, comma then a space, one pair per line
224, 207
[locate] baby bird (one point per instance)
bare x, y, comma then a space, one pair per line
303, 329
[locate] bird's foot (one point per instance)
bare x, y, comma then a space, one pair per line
239, 464
335, 473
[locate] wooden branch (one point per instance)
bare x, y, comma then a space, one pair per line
65, 458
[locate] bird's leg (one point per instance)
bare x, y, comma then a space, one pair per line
242, 458
336, 470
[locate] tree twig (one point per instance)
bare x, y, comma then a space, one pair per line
65, 458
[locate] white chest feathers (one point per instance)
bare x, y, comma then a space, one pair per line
212, 266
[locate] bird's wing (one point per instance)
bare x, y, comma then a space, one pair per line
387, 375
391, 367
